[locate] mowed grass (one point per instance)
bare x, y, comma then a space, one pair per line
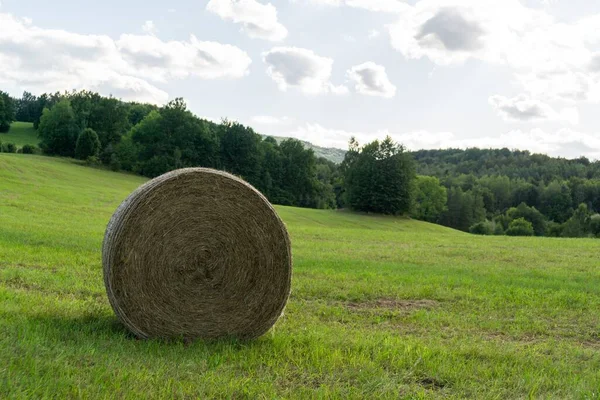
20, 133
381, 308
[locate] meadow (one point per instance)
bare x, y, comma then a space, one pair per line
381, 307
20, 133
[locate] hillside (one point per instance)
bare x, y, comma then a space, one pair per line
329, 153
380, 307
20, 133
511, 163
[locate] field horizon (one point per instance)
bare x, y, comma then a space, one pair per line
380, 307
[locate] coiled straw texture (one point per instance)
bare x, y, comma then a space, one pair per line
197, 253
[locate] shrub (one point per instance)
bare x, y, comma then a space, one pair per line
520, 227
532, 215
9, 148
92, 161
483, 228
29, 149
554, 229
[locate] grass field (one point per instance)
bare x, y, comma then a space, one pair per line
20, 133
381, 308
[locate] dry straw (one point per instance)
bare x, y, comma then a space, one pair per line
197, 253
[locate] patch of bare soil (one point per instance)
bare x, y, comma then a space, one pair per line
394, 304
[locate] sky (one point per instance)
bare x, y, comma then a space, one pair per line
429, 73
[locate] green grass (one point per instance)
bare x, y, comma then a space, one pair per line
20, 133
381, 308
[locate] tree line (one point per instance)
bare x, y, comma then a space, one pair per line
499, 191
494, 191
150, 140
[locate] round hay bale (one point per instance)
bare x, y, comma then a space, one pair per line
197, 253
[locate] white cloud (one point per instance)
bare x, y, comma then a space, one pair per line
302, 69
372, 80
390, 6
38, 60
258, 20
332, 3
550, 59
374, 33
523, 108
160, 61
270, 120
562, 143
348, 38
149, 28
211, 119
130, 88
595, 63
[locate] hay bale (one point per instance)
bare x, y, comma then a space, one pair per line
197, 253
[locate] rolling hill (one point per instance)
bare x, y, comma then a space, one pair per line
20, 133
381, 307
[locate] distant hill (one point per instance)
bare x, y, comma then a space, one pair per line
329, 153
515, 164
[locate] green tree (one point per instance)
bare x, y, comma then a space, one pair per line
58, 130
7, 112
430, 199
520, 227
126, 154
170, 138
298, 169
532, 215
483, 228
379, 177
595, 225
556, 202
240, 151
579, 224
137, 112
26, 108
41, 103
464, 209
107, 116
88, 144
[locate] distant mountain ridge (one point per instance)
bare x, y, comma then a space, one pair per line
329, 153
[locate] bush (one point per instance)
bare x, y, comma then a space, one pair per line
483, 228
92, 161
9, 148
520, 227
532, 215
29, 149
554, 229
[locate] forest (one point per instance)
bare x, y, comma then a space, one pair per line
482, 191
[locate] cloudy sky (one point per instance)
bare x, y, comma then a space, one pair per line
430, 73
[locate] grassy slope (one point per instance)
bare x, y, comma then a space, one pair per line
20, 133
380, 307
